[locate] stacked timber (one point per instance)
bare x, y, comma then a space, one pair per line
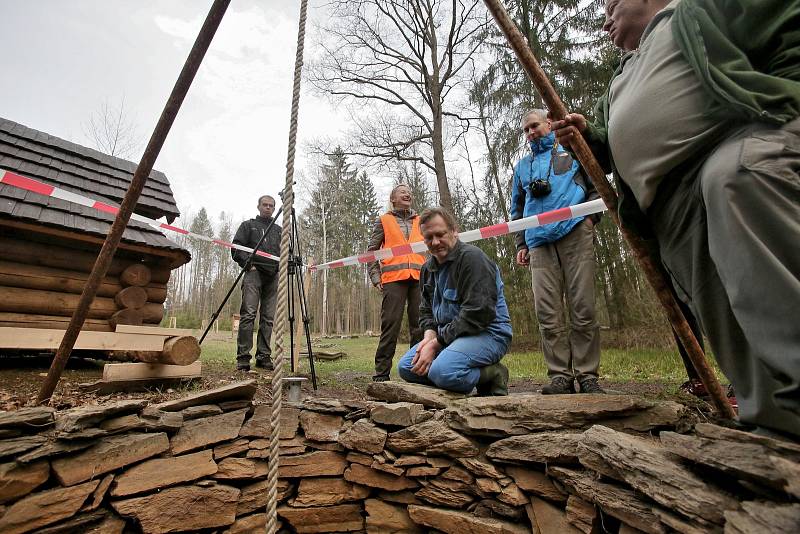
40, 286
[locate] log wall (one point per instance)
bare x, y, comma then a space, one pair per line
41, 283
413, 461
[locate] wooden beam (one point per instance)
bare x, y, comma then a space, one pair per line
48, 339
138, 371
154, 330
176, 258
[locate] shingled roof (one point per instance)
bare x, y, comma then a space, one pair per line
83, 171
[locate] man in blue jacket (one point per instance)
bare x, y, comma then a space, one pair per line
560, 256
463, 314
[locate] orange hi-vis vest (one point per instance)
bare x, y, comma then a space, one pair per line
400, 267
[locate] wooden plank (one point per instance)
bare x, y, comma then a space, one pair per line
50, 339
154, 330
138, 371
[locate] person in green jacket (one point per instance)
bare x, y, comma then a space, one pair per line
700, 127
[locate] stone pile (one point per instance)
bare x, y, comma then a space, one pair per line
413, 460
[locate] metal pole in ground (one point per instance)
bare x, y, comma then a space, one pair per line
651, 267
140, 176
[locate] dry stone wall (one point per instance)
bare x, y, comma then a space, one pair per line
414, 460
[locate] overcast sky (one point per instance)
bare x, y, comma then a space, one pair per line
63, 59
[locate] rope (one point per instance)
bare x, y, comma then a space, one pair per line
283, 288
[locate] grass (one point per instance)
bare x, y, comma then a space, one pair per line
356, 368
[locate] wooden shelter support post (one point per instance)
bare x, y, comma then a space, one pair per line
138, 181
652, 268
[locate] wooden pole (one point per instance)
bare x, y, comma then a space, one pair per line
138, 181
653, 270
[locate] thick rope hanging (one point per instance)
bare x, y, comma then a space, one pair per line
281, 311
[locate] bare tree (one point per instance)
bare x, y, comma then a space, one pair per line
406, 56
112, 131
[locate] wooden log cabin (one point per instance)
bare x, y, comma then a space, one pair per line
48, 246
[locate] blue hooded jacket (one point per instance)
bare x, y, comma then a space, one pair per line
568, 188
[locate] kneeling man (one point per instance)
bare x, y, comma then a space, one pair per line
463, 314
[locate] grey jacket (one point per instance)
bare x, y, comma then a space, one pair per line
405, 218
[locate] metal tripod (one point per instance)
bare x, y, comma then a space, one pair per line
295, 281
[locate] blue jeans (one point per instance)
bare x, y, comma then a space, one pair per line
457, 366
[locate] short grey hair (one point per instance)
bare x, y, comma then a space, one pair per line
541, 114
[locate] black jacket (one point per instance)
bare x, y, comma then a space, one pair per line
248, 235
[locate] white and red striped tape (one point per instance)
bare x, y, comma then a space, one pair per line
29, 184
562, 214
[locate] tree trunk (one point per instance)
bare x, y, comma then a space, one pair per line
55, 322
129, 316
178, 350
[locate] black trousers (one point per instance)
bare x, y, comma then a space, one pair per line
395, 296
259, 296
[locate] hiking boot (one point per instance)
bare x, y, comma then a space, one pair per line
265, 363
380, 378
590, 385
243, 363
243, 367
493, 381
695, 388
559, 386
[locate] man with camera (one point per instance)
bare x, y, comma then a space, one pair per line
259, 284
560, 256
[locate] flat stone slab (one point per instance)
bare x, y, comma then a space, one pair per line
176, 509
366, 476
199, 433
524, 414
254, 496
541, 447
107, 455
13, 446
757, 518
45, 508
76, 419
429, 397
163, 472
364, 437
623, 503
327, 492
312, 464
397, 414
549, 519
455, 522
647, 467
321, 426
385, 517
54, 448
18, 479
340, 518
34, 419
241, 469
237, 391
258, 426
433, 437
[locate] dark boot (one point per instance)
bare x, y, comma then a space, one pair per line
559, 386
493, 381
265, 363
380, 378
243, 363
590, 385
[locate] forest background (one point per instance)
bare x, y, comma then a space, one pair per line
435, 97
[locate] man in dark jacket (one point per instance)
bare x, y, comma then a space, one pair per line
700, 126
463, 314
259, 285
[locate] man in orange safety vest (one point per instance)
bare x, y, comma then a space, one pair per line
397, 278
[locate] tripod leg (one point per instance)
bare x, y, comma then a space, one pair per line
307, 330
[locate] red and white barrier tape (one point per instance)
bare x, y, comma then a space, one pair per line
562, 214
29, 184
